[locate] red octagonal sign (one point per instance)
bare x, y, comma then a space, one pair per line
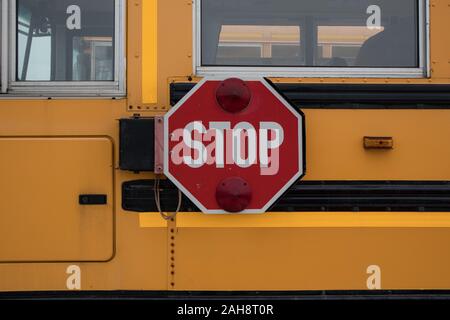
234, 145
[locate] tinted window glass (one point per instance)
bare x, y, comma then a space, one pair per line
320, 33
65, 40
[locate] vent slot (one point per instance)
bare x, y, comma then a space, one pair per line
337, 196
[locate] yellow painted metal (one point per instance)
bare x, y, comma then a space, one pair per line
140, 261
277, 251
152, 220
150, 52
317, 220
41, 218
134, 57
336, 258
335, 150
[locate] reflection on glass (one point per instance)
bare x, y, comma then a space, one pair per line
256, 43
93, 59
65, 40
34, 46
339, 46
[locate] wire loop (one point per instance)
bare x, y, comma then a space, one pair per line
165, 215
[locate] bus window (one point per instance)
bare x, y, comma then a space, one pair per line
65, 40
303, 33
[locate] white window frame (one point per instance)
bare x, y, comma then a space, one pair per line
115, 88
4, 51
423, 71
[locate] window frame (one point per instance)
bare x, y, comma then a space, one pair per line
115, 88
4, 51
423, 71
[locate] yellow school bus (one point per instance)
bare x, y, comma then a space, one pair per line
82, 82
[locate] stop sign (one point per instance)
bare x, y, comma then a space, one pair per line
233, 145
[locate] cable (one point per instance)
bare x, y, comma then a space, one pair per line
166, 216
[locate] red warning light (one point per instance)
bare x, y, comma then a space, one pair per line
233, 194
233, 95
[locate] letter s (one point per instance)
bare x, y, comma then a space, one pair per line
200, 152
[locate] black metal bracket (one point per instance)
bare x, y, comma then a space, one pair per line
93, 199
137, 144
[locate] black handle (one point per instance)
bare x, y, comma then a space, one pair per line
93, 199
